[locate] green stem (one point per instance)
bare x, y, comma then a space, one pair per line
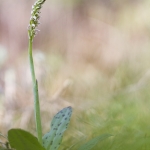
31, 62
37, 112
36, 95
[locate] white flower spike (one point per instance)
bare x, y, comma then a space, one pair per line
34, 20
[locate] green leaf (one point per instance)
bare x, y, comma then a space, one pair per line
90, 144
52, 139
23, 140
1, 148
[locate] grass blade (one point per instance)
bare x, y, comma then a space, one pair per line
3, 136
90, 144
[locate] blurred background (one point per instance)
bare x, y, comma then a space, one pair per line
93, 55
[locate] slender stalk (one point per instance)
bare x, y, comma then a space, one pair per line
37, 112
31, 62
32, 31
36, 95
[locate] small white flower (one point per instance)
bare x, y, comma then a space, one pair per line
34, 20
33, 25
34, 17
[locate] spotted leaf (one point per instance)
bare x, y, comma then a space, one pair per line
52, 139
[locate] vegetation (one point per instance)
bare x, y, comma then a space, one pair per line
19, 139
117, 103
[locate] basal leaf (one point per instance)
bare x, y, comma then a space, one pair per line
23, 140
52, 139
1, 148
90, 144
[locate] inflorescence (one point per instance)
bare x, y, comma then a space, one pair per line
34, 20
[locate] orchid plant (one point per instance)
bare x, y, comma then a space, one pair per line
19, 139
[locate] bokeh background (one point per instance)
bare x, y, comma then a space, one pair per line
93, 55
